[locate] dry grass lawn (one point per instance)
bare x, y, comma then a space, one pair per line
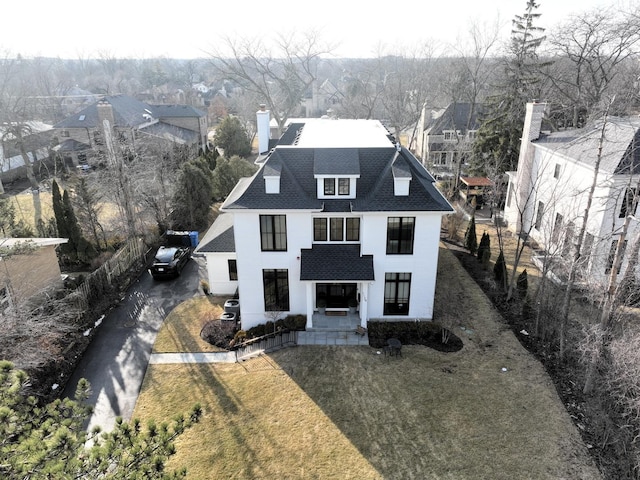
349, 413
180, 331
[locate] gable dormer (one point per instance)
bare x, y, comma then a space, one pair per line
336, 171
271, 174
401, 175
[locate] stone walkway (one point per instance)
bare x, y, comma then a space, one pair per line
316, 337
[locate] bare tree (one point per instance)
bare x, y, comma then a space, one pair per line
591, 50
280, 76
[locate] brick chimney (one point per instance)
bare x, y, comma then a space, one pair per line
264, 130
105, 112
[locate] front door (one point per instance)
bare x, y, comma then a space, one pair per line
337, 295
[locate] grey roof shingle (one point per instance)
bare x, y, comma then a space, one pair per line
335, 263
127, 112
220, 237
375, 186
161, 111
456, 116
620, 152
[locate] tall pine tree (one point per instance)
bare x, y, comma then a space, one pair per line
497, 145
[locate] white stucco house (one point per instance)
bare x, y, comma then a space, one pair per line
548, 194
338, 213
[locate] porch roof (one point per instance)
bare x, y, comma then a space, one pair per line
324, 262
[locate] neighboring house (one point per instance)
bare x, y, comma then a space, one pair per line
321, 99
82, 135
337, 214
36, 145
28, 266
548, 194
445, 137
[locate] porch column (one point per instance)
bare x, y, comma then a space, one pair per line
309, 293
364, 303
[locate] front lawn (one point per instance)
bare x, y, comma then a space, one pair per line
488, 411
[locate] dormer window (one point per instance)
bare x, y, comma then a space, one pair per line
343, 186
332, 187
449, 136
329, 186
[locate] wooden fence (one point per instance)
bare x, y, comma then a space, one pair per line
101, 279
265, 344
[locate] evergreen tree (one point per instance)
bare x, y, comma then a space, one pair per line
484, 250
522, 284
500, 271
193, 196
77, 248
227, 173
50, 441
232, 137
497, 146
470, 237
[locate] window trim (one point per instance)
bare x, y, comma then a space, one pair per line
393, 279
539, 215
277, 238
341, 184
232, 265
329, 187
280, 277
320, 227
401, 234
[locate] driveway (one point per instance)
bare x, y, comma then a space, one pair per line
116, 360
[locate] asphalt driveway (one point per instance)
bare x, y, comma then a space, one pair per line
116, 360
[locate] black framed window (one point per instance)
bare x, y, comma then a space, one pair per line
343, 186
336, 229
539, 214
233, 270
273, 233
329, 186
319, 229
353, 229
612, 256
397, 287
276, 290
556, 171
629, 203
400, 235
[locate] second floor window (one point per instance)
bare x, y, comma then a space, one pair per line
273, 233
337, 229
400, 235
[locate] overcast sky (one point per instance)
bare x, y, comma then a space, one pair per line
188, 29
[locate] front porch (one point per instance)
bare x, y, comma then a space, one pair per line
333, 328
334, 321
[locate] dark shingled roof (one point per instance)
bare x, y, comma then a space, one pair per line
336, 161
162, 111
457, 116
290, 135
375, 186
219, 237
335, 263
127, 112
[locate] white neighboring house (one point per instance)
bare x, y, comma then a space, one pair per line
548, 194
337, 212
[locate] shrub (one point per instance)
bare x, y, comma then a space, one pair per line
217, 333
522, 284
470, 237
500, 271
